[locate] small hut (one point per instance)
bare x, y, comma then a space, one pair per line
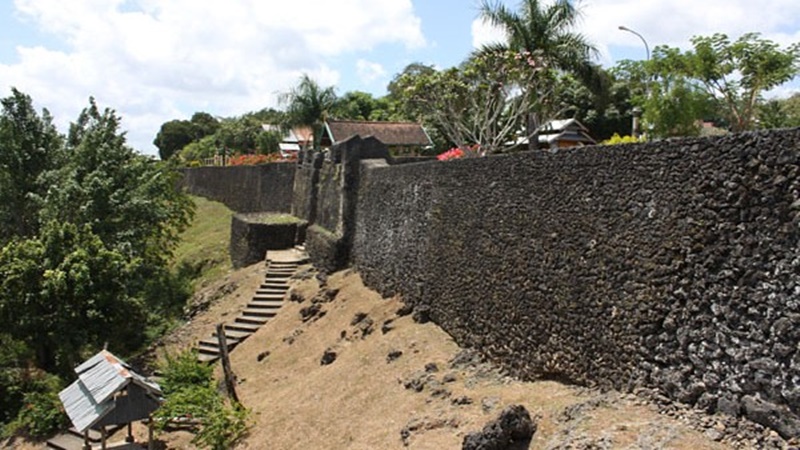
107, 392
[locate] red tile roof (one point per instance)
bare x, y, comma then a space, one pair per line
390, 133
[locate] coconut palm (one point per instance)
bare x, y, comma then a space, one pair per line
547, 29
308, 104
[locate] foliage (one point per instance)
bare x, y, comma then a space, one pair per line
28, 144
190, 393
617, 139
780, 113
736, 73
199, 150
605, 113
41, 415
184, 371
308, 104
486, 100
174, 135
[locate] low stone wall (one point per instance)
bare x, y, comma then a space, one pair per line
326, 250
267, 187
253, 234
672, 265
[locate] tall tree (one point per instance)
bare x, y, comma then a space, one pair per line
308, 104
738, 72
29, 144
548, 31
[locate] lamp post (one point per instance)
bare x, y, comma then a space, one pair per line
637, 112
646, 47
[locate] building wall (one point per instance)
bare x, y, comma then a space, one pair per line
673, 265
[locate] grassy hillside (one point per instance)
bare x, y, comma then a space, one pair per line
203, 251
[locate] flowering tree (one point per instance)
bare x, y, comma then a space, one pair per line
483, 104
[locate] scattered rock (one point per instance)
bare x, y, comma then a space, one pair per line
421, 314
417, 381
449, 378
466, 358
296, 297
393, 355
489, 403
431, 367
262, 355
463, 400
328, 357
292, 337
405, 310
513, 427
387, 326
322, 278
304, 274
772, 416
325, 295
363, 324
204, 299
313, 311
424, 424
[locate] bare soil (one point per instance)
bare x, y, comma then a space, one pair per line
427, 395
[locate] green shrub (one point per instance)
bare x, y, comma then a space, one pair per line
40, 416
185, 371
617, 139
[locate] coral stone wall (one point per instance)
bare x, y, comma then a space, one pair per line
267, 187
672, 265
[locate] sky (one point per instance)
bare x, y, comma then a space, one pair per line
158, 60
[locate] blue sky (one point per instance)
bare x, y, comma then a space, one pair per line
157, 60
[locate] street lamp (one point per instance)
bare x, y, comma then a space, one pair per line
646, 47
637, 112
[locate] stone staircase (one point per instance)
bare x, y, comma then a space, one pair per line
264, 305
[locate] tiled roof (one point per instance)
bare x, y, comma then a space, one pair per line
390, 133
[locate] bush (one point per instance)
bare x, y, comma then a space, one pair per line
185, 371
41, 415
617, 139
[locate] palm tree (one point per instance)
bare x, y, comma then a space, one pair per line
308, 104
548, 31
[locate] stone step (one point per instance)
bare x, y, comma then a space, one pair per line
281, 266
269, 297
282, 275
272, 306
283, 287
269, 292
212, 351
94, 435
256, 320
66, 441
256, 312
242, 327
207, 358
214, 342
236, 335
269, 302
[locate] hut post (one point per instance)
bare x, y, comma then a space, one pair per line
103, 438
86, 445
129, 437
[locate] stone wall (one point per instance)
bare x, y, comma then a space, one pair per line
255, 233
267, 187
672, 265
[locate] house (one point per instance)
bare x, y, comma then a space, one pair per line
296, 139
107, 392
564, 133
400, 137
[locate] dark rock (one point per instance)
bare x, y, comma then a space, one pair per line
262, 355
387, 326
393, 355
773, 416
431, 367
421, 314
512, 429
296, 297
328, 357
417, 381
463, 400
449, 378
358, 318
729, 405
405, 310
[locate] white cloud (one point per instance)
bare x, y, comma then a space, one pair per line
155, 60
484, 33
368, 72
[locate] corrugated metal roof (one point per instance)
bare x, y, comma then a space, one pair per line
91, 397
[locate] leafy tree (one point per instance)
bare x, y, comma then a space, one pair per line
204, 125
481, 102
737, 73
780, 113
355, 105
173, 136
309, 104
603, 114
28, 146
